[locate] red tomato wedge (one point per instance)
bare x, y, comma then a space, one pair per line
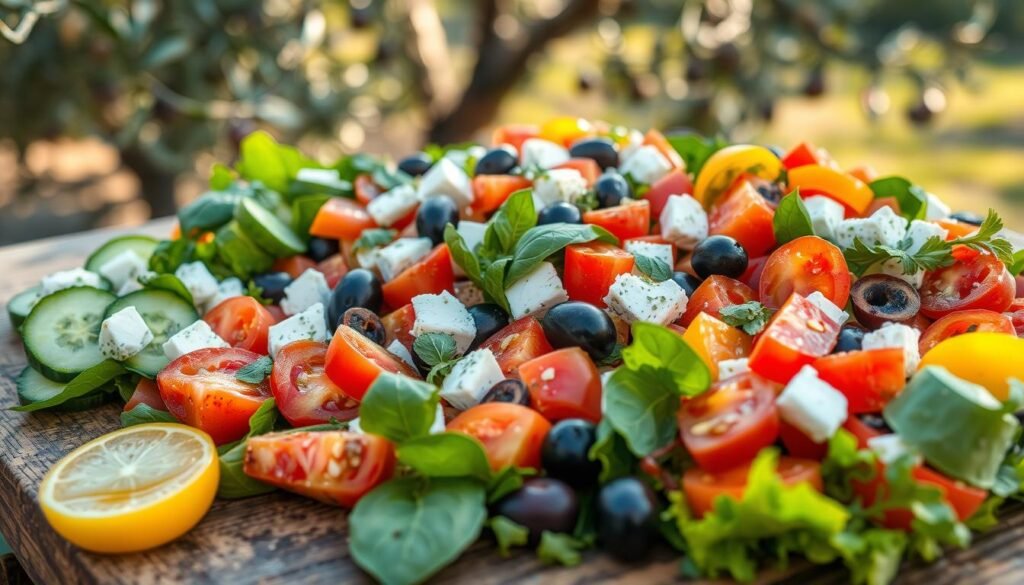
591, 269
511, 434
365, 189
293, 265
399, 324
676, 182
353, 362
964, 499
431, 275
805, 265
714, 293
657, 140
334, 269
242, 322
803, 154
629, 220
587, 167
519, 342
746, 216
341, 219
514, 134
798, 444
981, 282
564, 384
798, 334
868, 378
490, 191
148, 393
303, 392
702, 487
960, 322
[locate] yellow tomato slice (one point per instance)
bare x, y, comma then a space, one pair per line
985, 358
565, 130
721, 169
843, 187
714, 341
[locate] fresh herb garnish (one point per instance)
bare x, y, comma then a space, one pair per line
557, 548
751, 316
912, 199
438, 351
373, 237
653, 268
791, 219
695, 149
144, 413
509, 534
255, 372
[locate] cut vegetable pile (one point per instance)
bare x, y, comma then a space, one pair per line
579, 337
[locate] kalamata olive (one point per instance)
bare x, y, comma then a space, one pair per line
851, 338
881, 298
272, 285
565, 452
611, 189
627, 514
967, 217
358, 288
686, 281
719, 255
321, 249
498, 161
434, 215
600, 150
510, 390
366, 323
559, 212
489, 318
580, 324
416, 164
541, 504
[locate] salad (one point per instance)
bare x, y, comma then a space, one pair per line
581, 336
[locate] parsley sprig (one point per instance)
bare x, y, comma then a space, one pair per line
751, 316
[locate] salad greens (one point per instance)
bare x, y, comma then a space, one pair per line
791, 219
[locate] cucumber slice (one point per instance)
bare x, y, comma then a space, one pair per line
267, 230
239, 253
21, 305
61, 333
141, 245
166, 313
34, 387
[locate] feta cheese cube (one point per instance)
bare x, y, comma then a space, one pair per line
198, 280
472, 233
367, 257
124, 334
228, 288
633, 298
401, 352
129, 287
683, 221
401, 254
812, 405
536, 292
69, 278
446, 178
471, 378
463, 156
537, 152
936, 208
645, 164
920, 232
559, 185
663, 252
828, 307
826, 214
391, 206
444, 313
734, 367
309, 324
899, 336
894, 267
192, 338
891, 447
883, 227
305, 291
122, 268
438, 425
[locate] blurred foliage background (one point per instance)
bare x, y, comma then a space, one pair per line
113, 112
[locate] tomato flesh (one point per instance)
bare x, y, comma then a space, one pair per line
490, 191
960, 322
303, 392
353, 362
981, 282
564, 384
629, 220
868, 378
676, 182
398, 325
432, 275
148, 393
702, 487
713, 294
805, 265
715, 341
242, 322
518, 342
511, 434
591, 269
799, 333
341, 219
744, 215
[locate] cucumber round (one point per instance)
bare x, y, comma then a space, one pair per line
61, 333
34, 387
267, 230
239, 253
165, 313
21, 305
141, 245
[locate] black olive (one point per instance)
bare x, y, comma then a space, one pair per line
559, 212
565, 452
627, 514
366, 323
611, 189
433, 215
489, 318
771, 192
511, 390
875, 422
272, 285
600, 150
851, 338
358, 288
580, 324
719, 255
542, 504
967, 217
499, 161
416, 164
686, 281
881, 298
321, 249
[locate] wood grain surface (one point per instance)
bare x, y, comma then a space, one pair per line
281, 538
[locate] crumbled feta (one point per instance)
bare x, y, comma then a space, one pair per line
367, 257
826, 215
899, 336
305, 291
401, 254
645, 164
446, 178
920, 232
389, 207
472, 233
471, 378
936, 208
67, 279
891, 447
228, 288
828, 307
309, 324
812, 405
124, 267
663, 252
198, 280
443, 313
401, 352
559, 185
733, 367
633, 298
537, 152
883, 227
124, 334
192, 338
683, 221
536, 292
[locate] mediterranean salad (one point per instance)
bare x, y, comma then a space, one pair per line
579, 336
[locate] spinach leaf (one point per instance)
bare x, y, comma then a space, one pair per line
446, 455
210, 211
255, 372
912, 199
542, 241
398, 408
144, 413
85, 383
791, 219
695, 149
221, 177
641, 407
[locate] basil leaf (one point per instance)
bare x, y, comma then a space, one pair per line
167, 282
493, 283
304, 210
85, 383
144, 413
912, 199
654, 268
611, 451
791, 219
125, 385
559, 549
695, 149
221, 177
398, 408
506, 481
515, 217
406, 530
374, 237
751, 316
461, 254
434, 348
170, 254
255, 372
661, 348
542, 241
641, 407
446, 455
509, 534
263, 420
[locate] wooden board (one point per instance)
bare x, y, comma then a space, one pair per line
281, 538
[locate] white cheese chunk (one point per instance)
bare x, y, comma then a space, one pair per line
559, 185
198, 280
645, 164
920, 232
124, 334
828, 307
826, 214
67, 279
899, 336
330, 178
936, 208
812, 405
305, 291
129, 287
124, 267
683, 221
309, 324
891, 447
439, 424
472, 233
536, 292
471, 378
663, 252
443, 313
401, 352
367, 257
389, 207
228, 288
192, 338
400, 255
537, 152
633, 298
446, 178
883, 227
733, 367
893, 267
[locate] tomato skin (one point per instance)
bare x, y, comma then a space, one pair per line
304, 394
341, 219
398, 324
334, 467
702, 488
656, 139
960, 322
865, 173
334, 269
730, 423
1015, 313
511, 434
200, 389
721, 169
514, 135
431, 275
964, 499
799, 333
746, 216
490, 191
277, 312
755, 268
519, 342
869, 378
587, 167
676, 182
591, 269
799, 444
353, 362
853, 193
715, 341
805, 265
714, 293
629, 220
148, 393
365, 189
293, 265
242, 322
981, 282
802, 154
564, 384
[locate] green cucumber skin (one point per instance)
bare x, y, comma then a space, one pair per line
239, 253
56, 370
107, 251
30, 381
173, 310
267, 230
21, 305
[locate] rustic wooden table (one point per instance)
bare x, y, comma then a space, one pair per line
281, 538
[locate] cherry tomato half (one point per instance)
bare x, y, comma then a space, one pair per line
304, 394
721, 169
510, 433
960, 322
353, 362
676, 182
805, 265
341, 219
148, 393
399, 324
490, 191
702, 488
714, 293
798, 334
981, 282
431, 275
518, 342
564, 384
591, 269
242, 322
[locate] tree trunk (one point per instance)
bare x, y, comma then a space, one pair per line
156, 183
